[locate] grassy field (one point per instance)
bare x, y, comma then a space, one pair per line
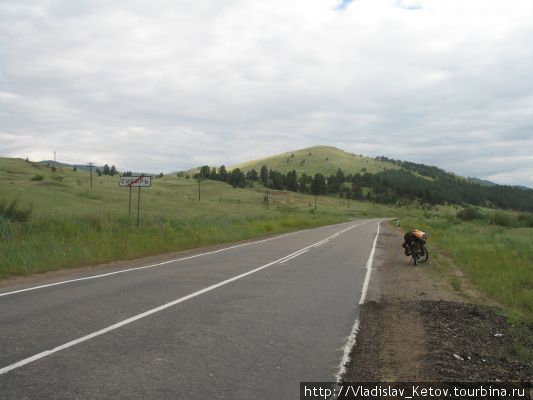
323, 159
72, 225
496, 259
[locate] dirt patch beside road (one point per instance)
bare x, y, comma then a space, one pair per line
426, 327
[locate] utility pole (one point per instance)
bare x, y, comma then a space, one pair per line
267, 200
315, 201
91, 173
199, 189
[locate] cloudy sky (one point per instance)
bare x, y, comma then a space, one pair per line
162, 85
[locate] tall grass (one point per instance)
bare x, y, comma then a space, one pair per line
52, 243
497, 259
13, 212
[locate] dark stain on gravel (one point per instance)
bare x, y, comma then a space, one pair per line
461, 342
472, 342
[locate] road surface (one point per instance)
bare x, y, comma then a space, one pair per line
248, 321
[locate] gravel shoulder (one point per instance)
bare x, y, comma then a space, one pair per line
428, 325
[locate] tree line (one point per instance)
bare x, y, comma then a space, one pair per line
107, 170
413, 183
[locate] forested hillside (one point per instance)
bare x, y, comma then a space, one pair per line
390, 182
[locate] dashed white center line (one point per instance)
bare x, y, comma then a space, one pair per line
122, 271
294, 256
145, 314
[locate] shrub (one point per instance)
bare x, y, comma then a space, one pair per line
13, 213
526, 220
501, 219
5, 229
37, 178
469, 214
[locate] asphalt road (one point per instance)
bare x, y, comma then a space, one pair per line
246, 322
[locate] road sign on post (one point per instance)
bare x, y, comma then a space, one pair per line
135, 181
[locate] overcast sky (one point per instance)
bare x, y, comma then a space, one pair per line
165, 85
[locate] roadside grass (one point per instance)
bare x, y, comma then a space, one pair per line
72, 225
54, 243
496, 259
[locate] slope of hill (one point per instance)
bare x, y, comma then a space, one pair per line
323, 159
482, 182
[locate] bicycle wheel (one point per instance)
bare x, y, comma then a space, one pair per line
414, 253
423, 255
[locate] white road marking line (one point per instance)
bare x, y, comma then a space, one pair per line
321, 242
143, 267
369, 268
350, 343
294, 256
110, 328
147, 266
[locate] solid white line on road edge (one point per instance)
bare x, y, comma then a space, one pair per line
369, 268
143, 267
294, 256
350, 343
110, 328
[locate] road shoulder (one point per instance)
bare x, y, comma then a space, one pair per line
429, 324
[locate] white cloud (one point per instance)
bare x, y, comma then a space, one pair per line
186, 83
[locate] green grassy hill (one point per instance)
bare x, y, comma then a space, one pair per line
323, 159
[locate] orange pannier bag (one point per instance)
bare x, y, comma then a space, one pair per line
419, 234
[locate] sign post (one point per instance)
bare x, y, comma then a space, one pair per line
139, 182
139, 207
